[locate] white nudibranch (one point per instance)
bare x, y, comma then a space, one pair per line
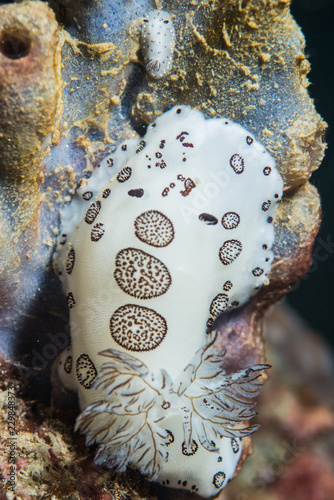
171, 230
157, 43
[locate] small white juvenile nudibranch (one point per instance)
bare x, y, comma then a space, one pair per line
157, 43
170, 231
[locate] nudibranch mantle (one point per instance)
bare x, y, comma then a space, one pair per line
170, 231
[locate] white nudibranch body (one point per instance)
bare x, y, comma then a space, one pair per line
157, 43
169, 232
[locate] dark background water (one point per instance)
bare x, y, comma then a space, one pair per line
313, 297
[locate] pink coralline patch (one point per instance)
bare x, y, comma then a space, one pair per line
4, 467
305, 423
103, 496
308, 478
302, 419
21, 463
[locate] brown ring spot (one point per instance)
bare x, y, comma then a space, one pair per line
219, 479
87, 195
188, 452
257, 271
266, 205
92, 212
68, 364
227, 286
235, 445
70, 300
85, 371
124, 174
219, 304
230, 220
97, 232
137, 328
154, 228
106, 193
70, 261
141, 275
140, 146
230, 251
237, 163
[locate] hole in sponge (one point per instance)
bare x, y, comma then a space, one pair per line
14, 45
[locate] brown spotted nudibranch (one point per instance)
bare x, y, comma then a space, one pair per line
152, 250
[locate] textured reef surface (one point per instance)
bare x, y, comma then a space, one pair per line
74, 86
293, 451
